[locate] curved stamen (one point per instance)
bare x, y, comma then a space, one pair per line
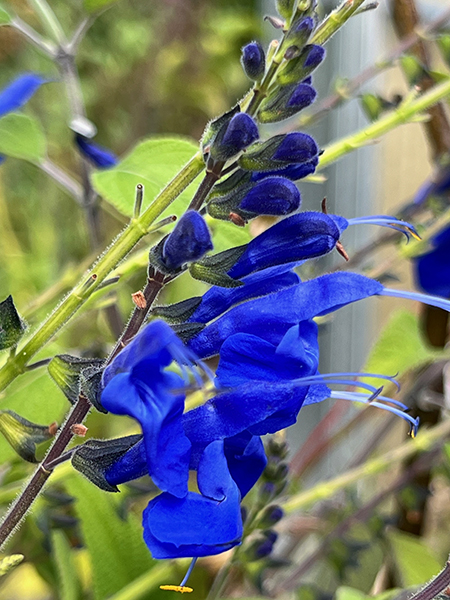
424, 298
386, 221
335, 376
359, 397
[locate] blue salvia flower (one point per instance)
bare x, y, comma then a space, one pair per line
188, 242
98, 155
178, 522
18, 92
302, 96
253, 60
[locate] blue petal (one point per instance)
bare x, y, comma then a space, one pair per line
246, 407
17, 93
303, 96
299, 237
196, 525
155, 342
131, 465
245, 357
101, 157
246, 460
272, 315
146, 395
253, 60
296, 148
217, 300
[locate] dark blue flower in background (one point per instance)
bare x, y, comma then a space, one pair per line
18, 92
432, 269
98, 155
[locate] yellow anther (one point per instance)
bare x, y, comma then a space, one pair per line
183, 589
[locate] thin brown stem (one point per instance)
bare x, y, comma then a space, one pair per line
436, 585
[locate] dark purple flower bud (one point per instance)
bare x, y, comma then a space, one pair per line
253, 60
296, 147
272, 196
240, 132
97, 155
303, 96
307, 80
314, 57
299, 68
260, 546
188, 242
17, 93
301, 31
271, 515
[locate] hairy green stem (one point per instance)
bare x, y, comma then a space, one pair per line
99, 272
403, 114
425, 441
335, 20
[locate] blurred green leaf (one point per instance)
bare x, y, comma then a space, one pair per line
7, 563
22, 136
95, 5
348, 593
400, 347
415, 562
5, 17
68, 583
118, 552
227, 235
153, 162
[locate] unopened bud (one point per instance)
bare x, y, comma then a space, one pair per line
270, 516
253, 60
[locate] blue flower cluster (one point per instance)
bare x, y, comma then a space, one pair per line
266, 339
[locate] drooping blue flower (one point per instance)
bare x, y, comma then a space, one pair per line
253, 60
188, 242
98, 155
18, 92
296, 238
144, 390
200, 524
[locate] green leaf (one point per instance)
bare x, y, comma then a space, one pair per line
400, 347
117, 549
11, 325
68, 584
5, 17
35, 397
22, 136
153, 162
227, 235
95, 5
415, 562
